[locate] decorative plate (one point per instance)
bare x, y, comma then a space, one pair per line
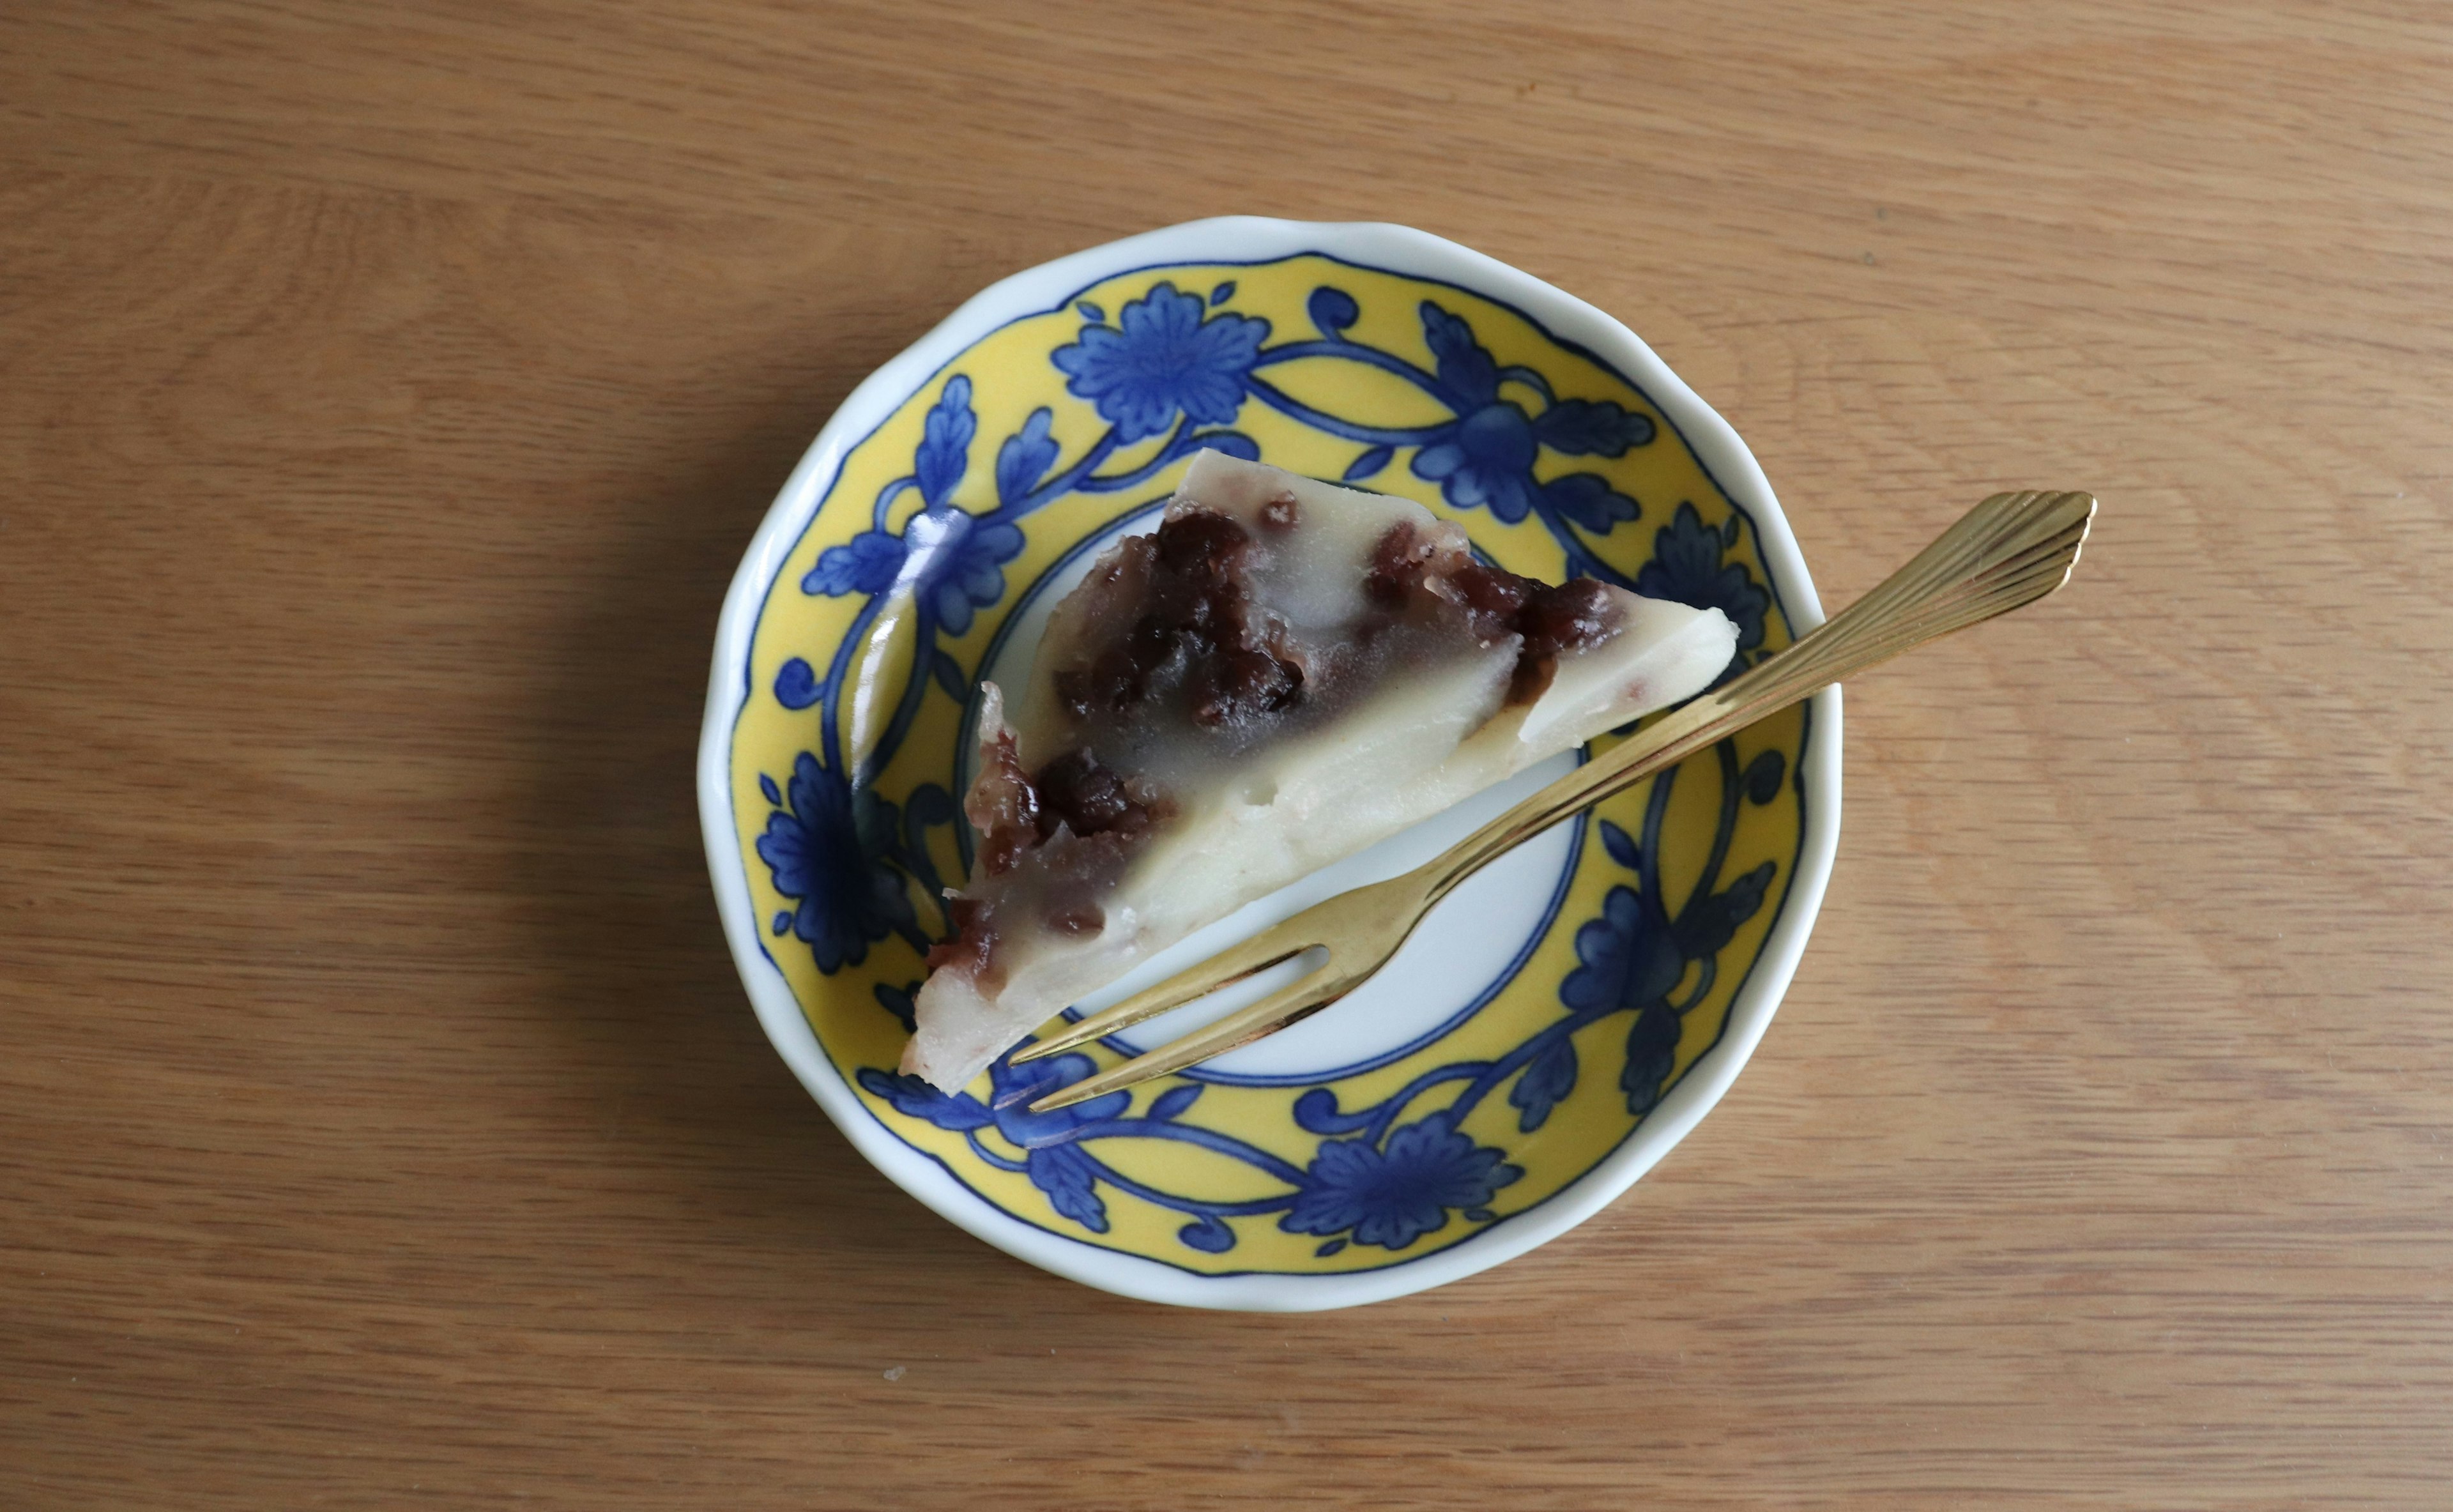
1558, 1024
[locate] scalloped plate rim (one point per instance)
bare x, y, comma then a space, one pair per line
1255, 239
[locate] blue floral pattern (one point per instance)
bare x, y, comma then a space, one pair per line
1163, 359
1484, 459
1182, 366
951, 561
1686, 565
1047, 1142
847, 898
1393, 1195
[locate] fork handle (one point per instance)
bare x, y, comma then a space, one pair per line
2009, 551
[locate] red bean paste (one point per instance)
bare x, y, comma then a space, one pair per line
1197, 639
1407, 569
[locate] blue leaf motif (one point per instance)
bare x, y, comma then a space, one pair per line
782, 920
1592, 427
767, 786
1331, 310
1221, 293
1589, 500
1706, 925
1234, 442
1329, 1248
946, 442
796, 686
1762, 776
1550, 1077
1025, 457
1088, 312
1064, 1174
868, 564
1172, 1101
1465, 371
1621, 847
1651, 1055
951, 678
1369, 463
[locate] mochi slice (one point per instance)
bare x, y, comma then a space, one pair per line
1281, 674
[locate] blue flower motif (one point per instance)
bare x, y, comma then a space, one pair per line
1686, 568
1055, 1165
955, 561
1015, 1087
823, 856
1393, 1197
869, 562
952, 560
1629, 955
1485, 459
1164, 360
1467, 374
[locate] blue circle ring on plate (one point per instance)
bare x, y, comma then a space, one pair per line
1553, 1031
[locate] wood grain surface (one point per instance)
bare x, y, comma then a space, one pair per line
391, 391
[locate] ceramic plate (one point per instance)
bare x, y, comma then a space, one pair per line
1556, 1025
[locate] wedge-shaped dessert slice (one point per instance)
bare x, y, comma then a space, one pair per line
1283, 674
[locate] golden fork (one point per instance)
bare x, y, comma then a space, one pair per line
2008, 551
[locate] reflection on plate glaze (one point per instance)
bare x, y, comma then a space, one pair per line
1555, 464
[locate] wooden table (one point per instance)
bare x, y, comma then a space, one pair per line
391, 390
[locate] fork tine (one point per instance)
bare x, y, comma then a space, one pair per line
1299, 1000
1231, 965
